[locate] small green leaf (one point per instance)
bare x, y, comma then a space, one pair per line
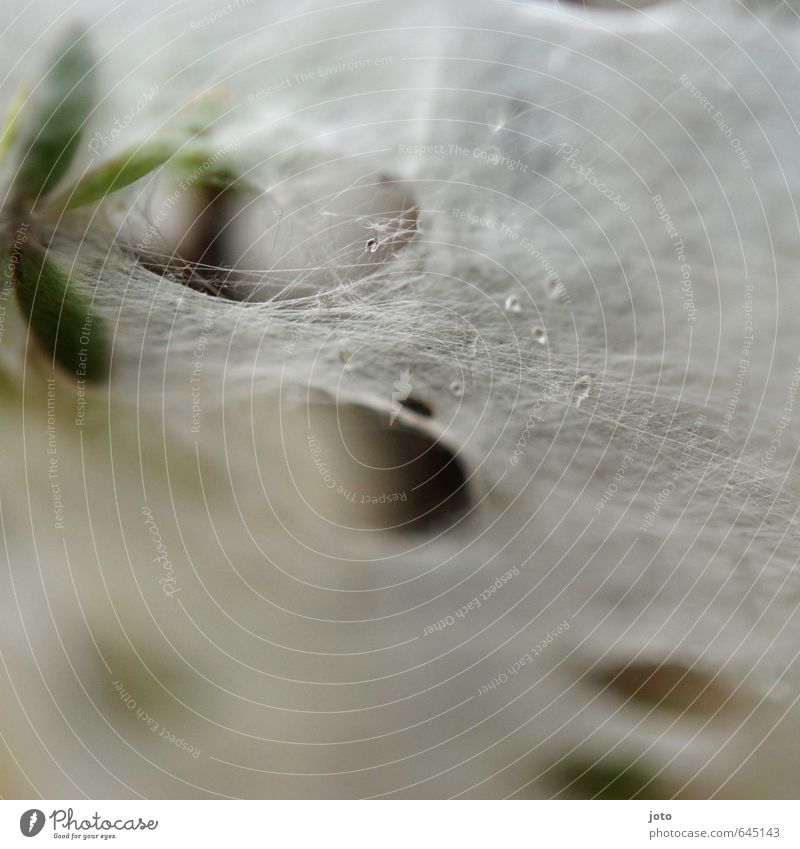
177, 138
12, 122
198, 116
54, 117
60, 317
606, 779
125, 168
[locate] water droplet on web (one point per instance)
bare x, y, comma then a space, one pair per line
372, 245
513, 304
457, 389
504, 113
496, 118
582, 388
554, 288
539, 335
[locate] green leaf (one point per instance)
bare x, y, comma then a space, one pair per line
178, 138
53, 118
125, 168
12, 122
198, 116
60, 317
606, 779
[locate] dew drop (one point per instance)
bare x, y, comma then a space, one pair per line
554, 288
372, 245
500, 115
496, 118
513, 304
539, 335
457, 389
582, 388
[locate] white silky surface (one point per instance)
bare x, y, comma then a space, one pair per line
293, 651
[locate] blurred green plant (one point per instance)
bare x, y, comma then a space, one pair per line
61, 318
39, 140
610, 779
46, 127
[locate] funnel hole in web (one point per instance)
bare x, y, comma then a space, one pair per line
227, 239
370, 471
